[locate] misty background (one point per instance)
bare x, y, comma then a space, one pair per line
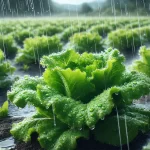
74, 8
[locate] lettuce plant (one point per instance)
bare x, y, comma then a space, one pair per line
78, 95
143, 65
102, 30
35, 48
4, 110
7, 27
49, 30
7, 44
89, 42
70, 31
137, 24
129, 40
5, 71
23, 34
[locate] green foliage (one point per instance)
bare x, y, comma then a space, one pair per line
5, 71
7, 44
49, 30
129, 40
143, 65
4, 110
20, 36
35, 48
80, 91
136, 24
87, 42
51, 137
6, 28
132, 119
102, 30
70, 31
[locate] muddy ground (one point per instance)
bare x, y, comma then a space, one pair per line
82, 144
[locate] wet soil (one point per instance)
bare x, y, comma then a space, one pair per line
82, 144
5, 126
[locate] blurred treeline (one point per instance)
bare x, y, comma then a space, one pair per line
25, 7
97, 7
126, 7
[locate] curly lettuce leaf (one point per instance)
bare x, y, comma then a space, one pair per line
70, 83
108, 76
143, 65
131, 122
86, 62
134, 86
50, 136
106, 68
61, 59
65, 108
77, 114
24, 91
4, 110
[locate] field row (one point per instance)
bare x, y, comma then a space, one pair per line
31, 40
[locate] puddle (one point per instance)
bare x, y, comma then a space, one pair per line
7, 144
35, 70
17, 112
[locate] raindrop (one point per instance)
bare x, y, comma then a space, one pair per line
80, 129
92, 127
102, 118
119, 131
54, 117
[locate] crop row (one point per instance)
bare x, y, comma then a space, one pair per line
82, 35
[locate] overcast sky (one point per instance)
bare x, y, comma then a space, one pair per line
74, 1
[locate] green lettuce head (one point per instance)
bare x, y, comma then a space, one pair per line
78, 93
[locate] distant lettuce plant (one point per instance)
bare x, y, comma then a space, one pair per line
136, 24
7, 27
87, 42
7, 45
129, 40
22, 34
49, 30
70, 31
78, 93
5, 71
35, 48
143, 64
4, 110
102, 29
